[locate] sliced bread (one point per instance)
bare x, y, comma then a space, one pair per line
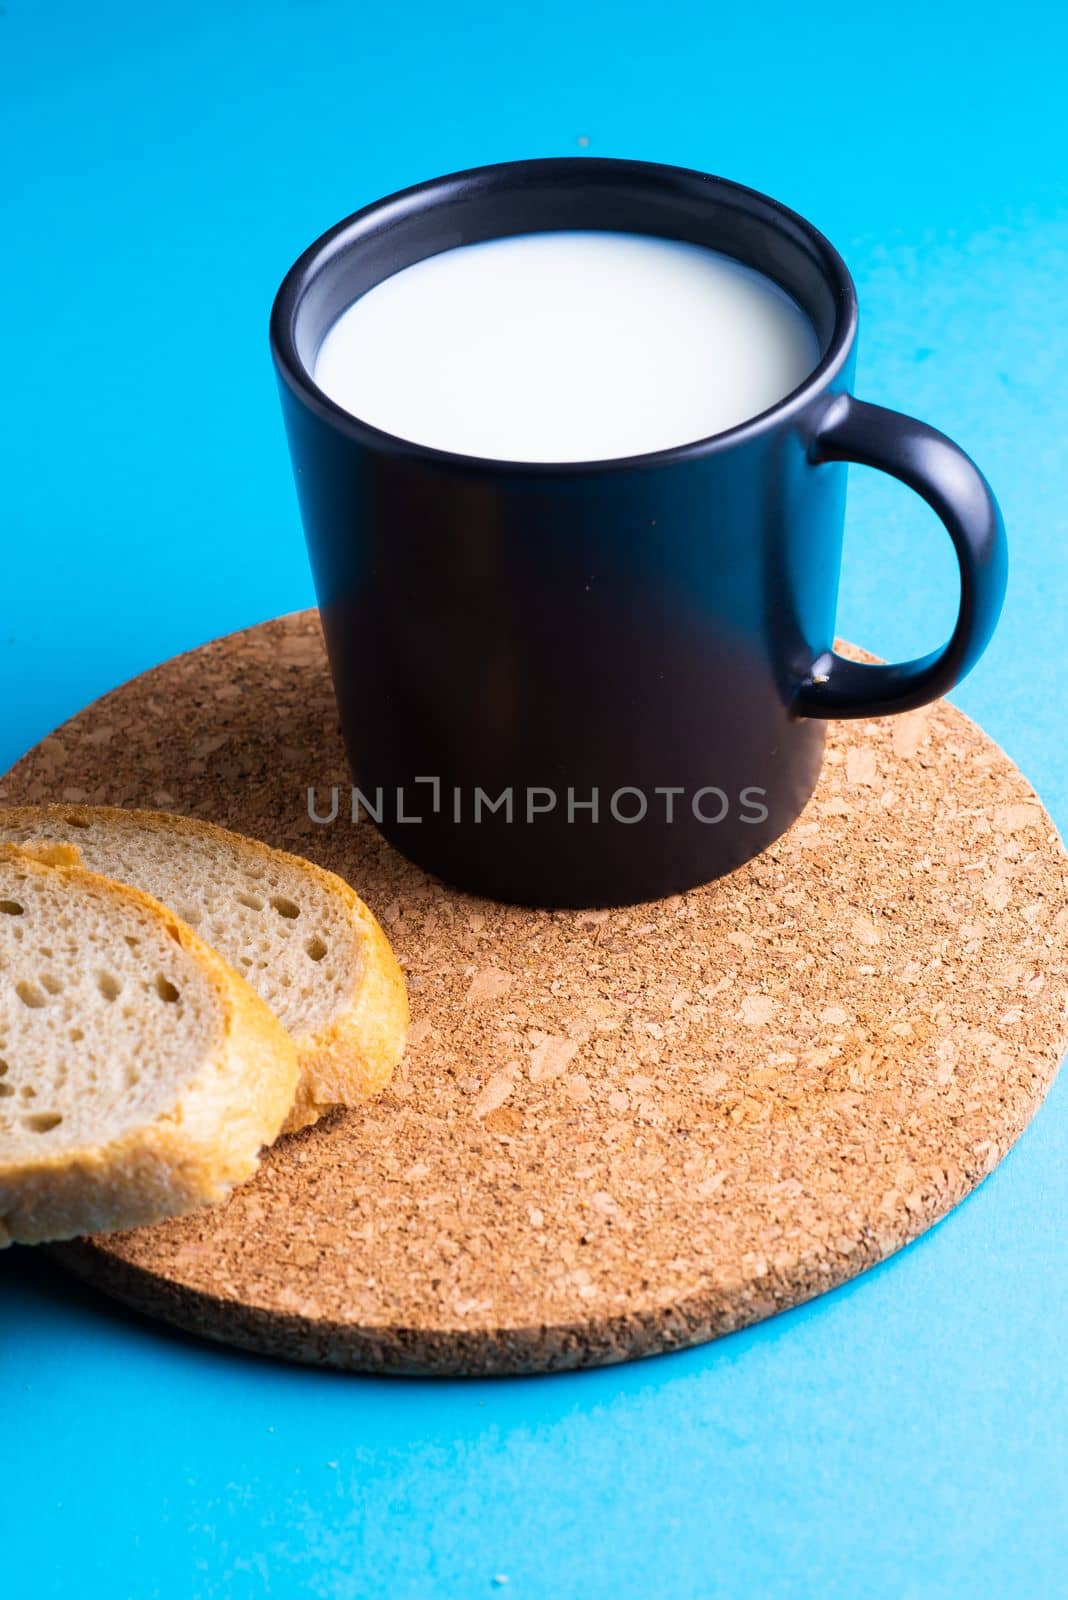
301, 936
139, 1075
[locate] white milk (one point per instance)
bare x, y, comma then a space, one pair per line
566, 347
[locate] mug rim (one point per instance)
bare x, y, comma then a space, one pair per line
318, 255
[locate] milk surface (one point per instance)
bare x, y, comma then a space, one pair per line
569, 346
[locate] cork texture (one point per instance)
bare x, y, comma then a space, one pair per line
614, 1133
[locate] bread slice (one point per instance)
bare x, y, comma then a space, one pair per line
139, 1075
303, 939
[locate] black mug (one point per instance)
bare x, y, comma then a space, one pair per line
597, 683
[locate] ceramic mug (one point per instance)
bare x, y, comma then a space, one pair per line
597, 683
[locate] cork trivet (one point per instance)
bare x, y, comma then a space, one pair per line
621, 1132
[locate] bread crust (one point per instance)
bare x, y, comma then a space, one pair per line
354, 1056
190, 1156
350, 1058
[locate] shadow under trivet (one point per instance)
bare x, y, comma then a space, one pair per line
614, 1133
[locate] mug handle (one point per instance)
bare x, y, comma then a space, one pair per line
955, 489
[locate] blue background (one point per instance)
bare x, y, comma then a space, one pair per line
160, 165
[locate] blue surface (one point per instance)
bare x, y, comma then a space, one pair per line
160, 167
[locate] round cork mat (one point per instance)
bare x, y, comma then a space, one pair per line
614, 1132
